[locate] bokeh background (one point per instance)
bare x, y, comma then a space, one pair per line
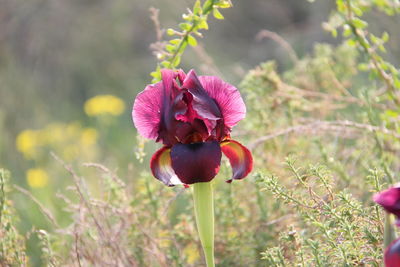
69, 72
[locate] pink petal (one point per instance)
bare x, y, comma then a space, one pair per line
197, 162
390, 200
161, 167
203, 104
240, 158
146, 111
227, 97
392, 254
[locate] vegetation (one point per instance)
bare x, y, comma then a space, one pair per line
324, 131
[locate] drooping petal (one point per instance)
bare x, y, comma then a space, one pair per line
161, 167
227, 97
197, 162
240, 158
203, 104
392, 254
389, 200
146, 110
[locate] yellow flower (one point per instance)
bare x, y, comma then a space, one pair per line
104, 104
164, 242
191, 252
88, 137
37, 178
26, 143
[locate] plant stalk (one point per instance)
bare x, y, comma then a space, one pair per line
204, 212
389, 234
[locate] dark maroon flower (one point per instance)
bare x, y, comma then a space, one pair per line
392, 254
193, 117
390, 201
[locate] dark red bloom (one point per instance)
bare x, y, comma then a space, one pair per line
390, 201
193, 117
392, 254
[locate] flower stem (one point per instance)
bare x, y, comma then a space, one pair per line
389, 234
204, 212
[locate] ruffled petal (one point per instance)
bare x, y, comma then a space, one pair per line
146, 112
203, 104
197, 162
227, 97
392, 254
240, 158
389, 200
161, 167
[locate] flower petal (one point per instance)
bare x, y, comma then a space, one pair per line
240, 158
389, 200
161, 167
392, 254
203, 104
146, 110
197, 162
227, 97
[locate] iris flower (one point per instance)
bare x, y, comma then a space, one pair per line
390, 200
193, 117
392, 254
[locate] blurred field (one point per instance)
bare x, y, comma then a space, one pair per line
69, 71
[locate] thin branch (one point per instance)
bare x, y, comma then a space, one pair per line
45, 211
277, 38
323, 126
154, 12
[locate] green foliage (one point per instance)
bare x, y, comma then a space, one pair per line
194, 21
329, 225
12, 247
342, 128
349, 17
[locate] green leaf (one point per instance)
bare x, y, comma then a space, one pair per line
217, 14
170, 31
208, 5
175, 41
191, 40
203, 24
170, 48
197, 8
176, 61
224, 4
351, 42
347, 30
166, 64
185, 26
385, 37
334, 33
360, 24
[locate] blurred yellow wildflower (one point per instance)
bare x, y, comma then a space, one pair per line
26, 143
104, 104
164, 242
37, 178
68, 139
88, 137
191, 252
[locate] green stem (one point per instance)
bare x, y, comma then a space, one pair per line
204, 211
389, 232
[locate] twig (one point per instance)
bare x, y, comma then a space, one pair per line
45, 211
277, 38
323, 125
154, 12
208, 61
78, 189
106, 170
362, 40
76, 248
